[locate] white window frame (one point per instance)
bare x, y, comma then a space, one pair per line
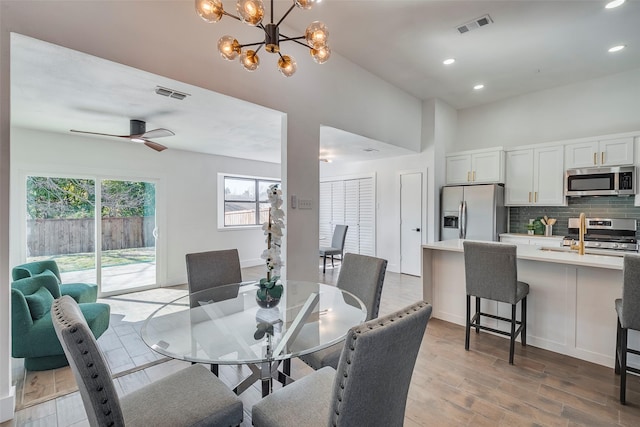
221, 199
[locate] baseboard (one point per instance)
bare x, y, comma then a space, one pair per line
251, 262
7, 405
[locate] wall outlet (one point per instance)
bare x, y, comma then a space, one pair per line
305, 204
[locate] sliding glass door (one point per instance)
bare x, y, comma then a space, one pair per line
98, 231
128, 224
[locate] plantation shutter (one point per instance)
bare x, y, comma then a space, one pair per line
350, 202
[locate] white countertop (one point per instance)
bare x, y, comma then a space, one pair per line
536, 253
534, 236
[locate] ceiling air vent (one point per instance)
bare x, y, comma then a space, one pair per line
171, 93
475, 24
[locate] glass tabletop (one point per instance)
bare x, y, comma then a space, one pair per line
225, 325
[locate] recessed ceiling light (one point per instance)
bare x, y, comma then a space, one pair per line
449, 61
617, 48
614, 3
478, 87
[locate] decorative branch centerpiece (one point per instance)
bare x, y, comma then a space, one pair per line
270, 291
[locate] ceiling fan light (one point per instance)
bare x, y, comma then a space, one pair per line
209, 10
228, 47
250, 60
250, 11
321, 54
138, 140
306, 4
287, 65
316, 34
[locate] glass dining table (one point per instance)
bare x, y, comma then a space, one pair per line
226, 326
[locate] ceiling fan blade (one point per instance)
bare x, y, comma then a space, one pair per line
97, 133
155, 146
157, 133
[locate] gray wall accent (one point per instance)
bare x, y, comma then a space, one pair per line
604, 207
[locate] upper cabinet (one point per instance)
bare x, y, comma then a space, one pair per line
535, 177
606, 152
477, 167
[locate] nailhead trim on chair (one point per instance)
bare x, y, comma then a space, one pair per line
359, 330
379, 295
87, 360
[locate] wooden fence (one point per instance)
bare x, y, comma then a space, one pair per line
245, 217
47, 237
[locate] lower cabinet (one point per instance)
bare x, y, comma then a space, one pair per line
525, 239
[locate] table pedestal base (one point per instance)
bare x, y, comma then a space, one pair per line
266, 372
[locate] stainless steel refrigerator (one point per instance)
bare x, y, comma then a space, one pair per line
474, 212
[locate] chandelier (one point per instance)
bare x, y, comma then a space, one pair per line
251, 13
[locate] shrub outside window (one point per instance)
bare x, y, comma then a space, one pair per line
245, 201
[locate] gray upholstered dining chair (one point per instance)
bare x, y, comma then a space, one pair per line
628, 318
337, 246
491, 272
370, 386
192, 396
206, 270
363, 276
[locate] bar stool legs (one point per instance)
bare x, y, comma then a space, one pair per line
518, 327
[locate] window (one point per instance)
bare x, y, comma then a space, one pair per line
245, 200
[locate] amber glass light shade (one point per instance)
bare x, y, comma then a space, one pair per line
316, 34
321, 54
287, 65
228, 47
250, 11
249, 60
209, 10
306, 4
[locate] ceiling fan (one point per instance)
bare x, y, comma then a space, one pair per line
138, 133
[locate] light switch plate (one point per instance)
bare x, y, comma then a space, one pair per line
305, 204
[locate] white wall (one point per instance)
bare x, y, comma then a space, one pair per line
7, 392
387, 173
596, 107
186, 193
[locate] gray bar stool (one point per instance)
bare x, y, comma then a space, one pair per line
628, 318
491, 272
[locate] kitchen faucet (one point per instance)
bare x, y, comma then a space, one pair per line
583, 229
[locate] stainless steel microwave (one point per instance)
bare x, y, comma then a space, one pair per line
615, 181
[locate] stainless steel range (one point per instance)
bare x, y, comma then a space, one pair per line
612, 234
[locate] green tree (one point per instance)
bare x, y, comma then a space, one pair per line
75, 198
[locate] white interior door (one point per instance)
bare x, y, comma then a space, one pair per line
410, 223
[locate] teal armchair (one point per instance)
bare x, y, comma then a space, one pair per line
81, 292
32, 333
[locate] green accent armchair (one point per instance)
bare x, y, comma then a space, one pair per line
81, 292
32, 334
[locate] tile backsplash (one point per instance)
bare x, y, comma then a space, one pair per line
603, 207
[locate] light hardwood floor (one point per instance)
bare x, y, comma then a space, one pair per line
450, 386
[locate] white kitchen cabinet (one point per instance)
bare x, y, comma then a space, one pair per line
478, 167
535, 240
535, 176
605, 152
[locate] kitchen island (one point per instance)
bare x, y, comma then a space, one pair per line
570, 308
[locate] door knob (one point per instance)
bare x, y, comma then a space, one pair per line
415, 229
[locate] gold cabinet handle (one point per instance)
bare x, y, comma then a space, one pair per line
529, 196
474, 175
468, 176
602, 158
595, 158
535, 197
